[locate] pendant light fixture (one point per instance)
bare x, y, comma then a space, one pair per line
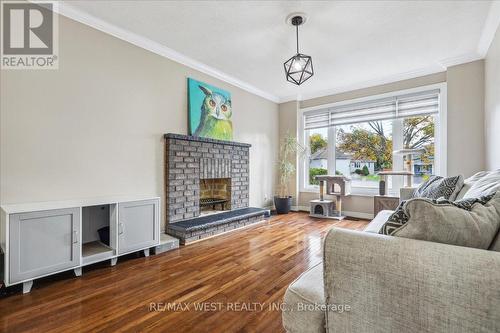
298, 68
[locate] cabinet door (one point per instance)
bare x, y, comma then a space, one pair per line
43, 242
138, 225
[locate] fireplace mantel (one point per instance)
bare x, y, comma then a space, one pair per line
200, 139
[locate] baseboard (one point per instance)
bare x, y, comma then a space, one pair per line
357, 215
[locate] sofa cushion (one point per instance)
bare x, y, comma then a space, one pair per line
376, 224
300, 299
483, 183
495, 245
469, 222
438, 187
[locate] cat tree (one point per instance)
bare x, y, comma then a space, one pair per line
408, 173
339, 186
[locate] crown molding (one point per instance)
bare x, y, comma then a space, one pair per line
461, 59
440, 66
489, 29
488, 33
75, 14
367, 84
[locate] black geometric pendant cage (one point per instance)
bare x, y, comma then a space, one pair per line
299, 68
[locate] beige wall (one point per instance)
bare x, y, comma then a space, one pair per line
492, 104
376, 90
288, 125
465, 126
465, 116
94, 127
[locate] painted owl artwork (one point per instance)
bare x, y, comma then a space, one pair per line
209, 111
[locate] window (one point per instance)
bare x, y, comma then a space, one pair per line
362, 150
317, 142
418, 133
361, 138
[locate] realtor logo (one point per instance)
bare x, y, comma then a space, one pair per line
29, 35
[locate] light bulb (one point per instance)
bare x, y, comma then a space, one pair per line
298, 64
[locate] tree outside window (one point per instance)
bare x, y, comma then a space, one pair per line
363, 150
372, 143
419, 132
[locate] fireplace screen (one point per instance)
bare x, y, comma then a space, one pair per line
215, 195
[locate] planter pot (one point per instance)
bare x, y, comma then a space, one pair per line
283, 205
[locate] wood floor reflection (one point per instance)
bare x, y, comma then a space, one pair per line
241, 276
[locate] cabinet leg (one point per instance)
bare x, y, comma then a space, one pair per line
27, 286
146, 252
78, 271
113, 261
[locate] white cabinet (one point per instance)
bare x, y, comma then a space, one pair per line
43, 242
138, 225
41, 239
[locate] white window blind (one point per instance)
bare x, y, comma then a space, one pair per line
410, 105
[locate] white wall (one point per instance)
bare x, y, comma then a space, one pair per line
343, 166
492, 104
318, 163
95, 126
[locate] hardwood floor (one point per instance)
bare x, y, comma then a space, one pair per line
247, 268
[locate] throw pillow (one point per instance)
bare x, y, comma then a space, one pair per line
470, 222
469, 182
395, 221
483, 183
438, 187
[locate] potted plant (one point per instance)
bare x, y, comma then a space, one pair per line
288, 148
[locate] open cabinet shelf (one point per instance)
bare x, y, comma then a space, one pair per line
95, 251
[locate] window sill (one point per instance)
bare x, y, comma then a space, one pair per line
366, 195
356, 192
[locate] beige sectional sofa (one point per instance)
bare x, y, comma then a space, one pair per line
375, 283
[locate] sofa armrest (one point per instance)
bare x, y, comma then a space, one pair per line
406, 193
396, 284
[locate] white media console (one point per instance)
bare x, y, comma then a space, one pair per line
41, 239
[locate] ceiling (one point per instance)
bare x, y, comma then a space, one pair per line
353, 43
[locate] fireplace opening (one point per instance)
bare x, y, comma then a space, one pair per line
215, 195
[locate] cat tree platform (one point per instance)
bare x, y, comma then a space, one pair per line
339, 186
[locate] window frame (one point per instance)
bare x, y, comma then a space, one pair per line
440, 141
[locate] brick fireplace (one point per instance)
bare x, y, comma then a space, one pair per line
201, 169
191, 161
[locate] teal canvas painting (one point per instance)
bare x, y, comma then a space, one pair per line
210, 111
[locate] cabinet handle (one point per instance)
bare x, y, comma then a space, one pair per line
120, 228
75, 236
